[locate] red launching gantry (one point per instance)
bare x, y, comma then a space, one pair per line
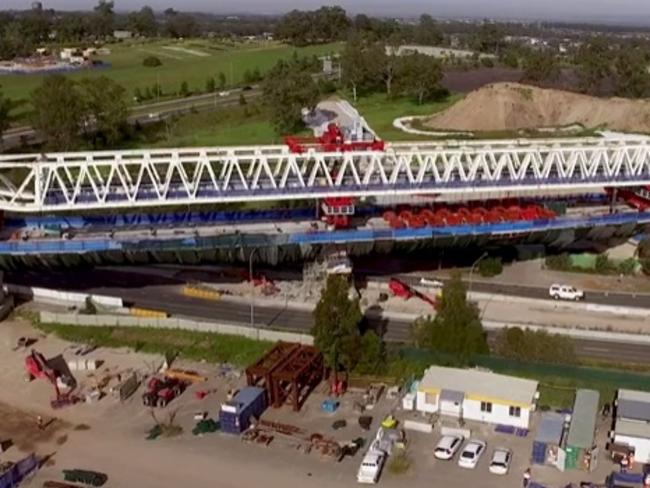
332, 140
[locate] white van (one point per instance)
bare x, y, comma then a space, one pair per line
371, 466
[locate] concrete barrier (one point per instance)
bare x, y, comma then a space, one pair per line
173, 323
205, 294
57, 297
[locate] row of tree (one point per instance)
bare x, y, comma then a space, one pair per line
341, 333
369, 67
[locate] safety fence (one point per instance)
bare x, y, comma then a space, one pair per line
259, 240
173, 323
18, 472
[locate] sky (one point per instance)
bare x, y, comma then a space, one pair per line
612, 11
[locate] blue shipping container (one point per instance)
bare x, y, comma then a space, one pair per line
235, 415
539, 453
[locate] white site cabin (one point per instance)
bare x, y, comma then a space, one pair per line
632, 426
472, 394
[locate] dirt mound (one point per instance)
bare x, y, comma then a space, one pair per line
513, 106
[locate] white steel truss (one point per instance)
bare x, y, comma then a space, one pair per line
163, 177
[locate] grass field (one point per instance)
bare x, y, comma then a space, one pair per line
197, 346
190, 60
380, 113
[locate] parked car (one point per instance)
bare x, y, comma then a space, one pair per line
472, 452
500, 463
565, 292
447, 447
371, 466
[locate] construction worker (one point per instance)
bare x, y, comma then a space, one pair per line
625, 461
39, 422
526, 477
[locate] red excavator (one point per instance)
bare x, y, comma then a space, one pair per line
37, 367
161, 391
332, 140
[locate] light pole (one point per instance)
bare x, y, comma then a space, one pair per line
250, 279
471, 271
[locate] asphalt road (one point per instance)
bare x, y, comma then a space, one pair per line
162, 293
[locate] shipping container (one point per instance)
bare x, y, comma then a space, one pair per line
235, 415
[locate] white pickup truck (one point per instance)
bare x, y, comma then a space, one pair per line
565, 292
371, 466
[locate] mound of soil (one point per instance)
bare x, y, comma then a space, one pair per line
513, 106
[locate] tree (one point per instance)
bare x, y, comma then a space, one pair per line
456, 329
210, 85
143, 22
107, 109
419, 75
360, 70
103, 19
288, 90
180, 25
221, 80
594, 64
326, 24
632, 78
489, 38
372, 354
541, 66
490, 267
427, 32
59, 112
336, 325
5, 108
151, 62
185, 89
137, 94
531, 345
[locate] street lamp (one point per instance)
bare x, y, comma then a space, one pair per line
471, 271
250, 279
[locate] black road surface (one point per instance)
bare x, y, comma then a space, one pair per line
161, 293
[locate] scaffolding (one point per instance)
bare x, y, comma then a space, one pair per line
289, 372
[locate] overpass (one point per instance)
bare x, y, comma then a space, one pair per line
81, 181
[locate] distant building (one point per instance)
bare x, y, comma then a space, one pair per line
122, 34
632, 423
477, 395
435, 52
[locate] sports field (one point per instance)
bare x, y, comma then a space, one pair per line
189, 60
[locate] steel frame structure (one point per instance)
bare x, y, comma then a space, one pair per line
162, 177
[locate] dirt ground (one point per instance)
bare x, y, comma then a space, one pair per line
513, 106
109, 436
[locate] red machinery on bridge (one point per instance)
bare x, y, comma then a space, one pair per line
337, 211
332, 140
402, 290
636, 197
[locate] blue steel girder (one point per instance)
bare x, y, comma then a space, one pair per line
161, 177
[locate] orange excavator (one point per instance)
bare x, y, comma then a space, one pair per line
37, 367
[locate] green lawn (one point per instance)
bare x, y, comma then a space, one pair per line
380, 112
248, 125
214, 348
207, 58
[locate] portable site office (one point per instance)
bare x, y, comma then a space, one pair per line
580, 442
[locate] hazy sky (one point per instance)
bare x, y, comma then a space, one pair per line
612, 10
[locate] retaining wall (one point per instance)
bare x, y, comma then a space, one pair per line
173, 323
57, 297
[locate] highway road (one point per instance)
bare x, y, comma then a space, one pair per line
161, 293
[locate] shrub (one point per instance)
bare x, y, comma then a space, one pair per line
560, 262
628, 266
603, 264
643, 250
490, 267
151, 62
645, 266
185, 89
399, 462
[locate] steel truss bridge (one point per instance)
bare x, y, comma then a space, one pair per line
162, 177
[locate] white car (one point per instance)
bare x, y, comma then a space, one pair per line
447, 447
431, 283
500, 463
565, 292
371, 466
470, 455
